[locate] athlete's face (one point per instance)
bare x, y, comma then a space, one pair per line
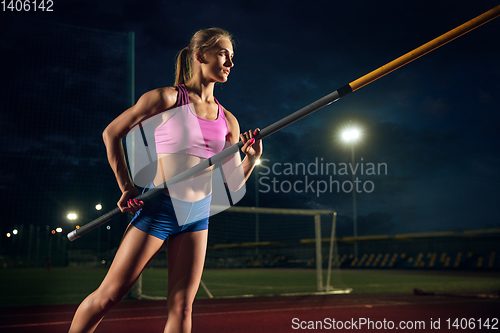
218, 60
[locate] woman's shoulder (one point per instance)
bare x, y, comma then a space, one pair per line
166, 96
229, 116
232, 122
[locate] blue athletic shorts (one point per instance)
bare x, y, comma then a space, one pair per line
164, 216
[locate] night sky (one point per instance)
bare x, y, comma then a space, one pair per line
434, 123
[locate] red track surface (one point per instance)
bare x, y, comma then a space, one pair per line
267, 314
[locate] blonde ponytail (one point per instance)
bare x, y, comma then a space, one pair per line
183, 67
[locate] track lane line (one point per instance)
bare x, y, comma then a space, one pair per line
210, 314
386, 303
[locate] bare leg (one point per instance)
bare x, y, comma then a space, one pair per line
186, 257
135, 251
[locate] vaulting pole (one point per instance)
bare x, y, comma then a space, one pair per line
328, 99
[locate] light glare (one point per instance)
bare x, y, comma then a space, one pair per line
351, 135
72, 216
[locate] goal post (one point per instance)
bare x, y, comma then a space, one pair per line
321, 287
257, 251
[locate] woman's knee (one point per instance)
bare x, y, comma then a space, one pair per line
106, 298
181, 306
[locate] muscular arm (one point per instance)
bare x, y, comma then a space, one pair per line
150, 104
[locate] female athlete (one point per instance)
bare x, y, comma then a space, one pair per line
192, 126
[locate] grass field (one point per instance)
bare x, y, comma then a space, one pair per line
68, 286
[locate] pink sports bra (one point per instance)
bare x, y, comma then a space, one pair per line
183, 132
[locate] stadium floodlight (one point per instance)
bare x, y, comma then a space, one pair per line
72, 216
351, 135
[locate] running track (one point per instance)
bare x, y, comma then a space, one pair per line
265, 314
